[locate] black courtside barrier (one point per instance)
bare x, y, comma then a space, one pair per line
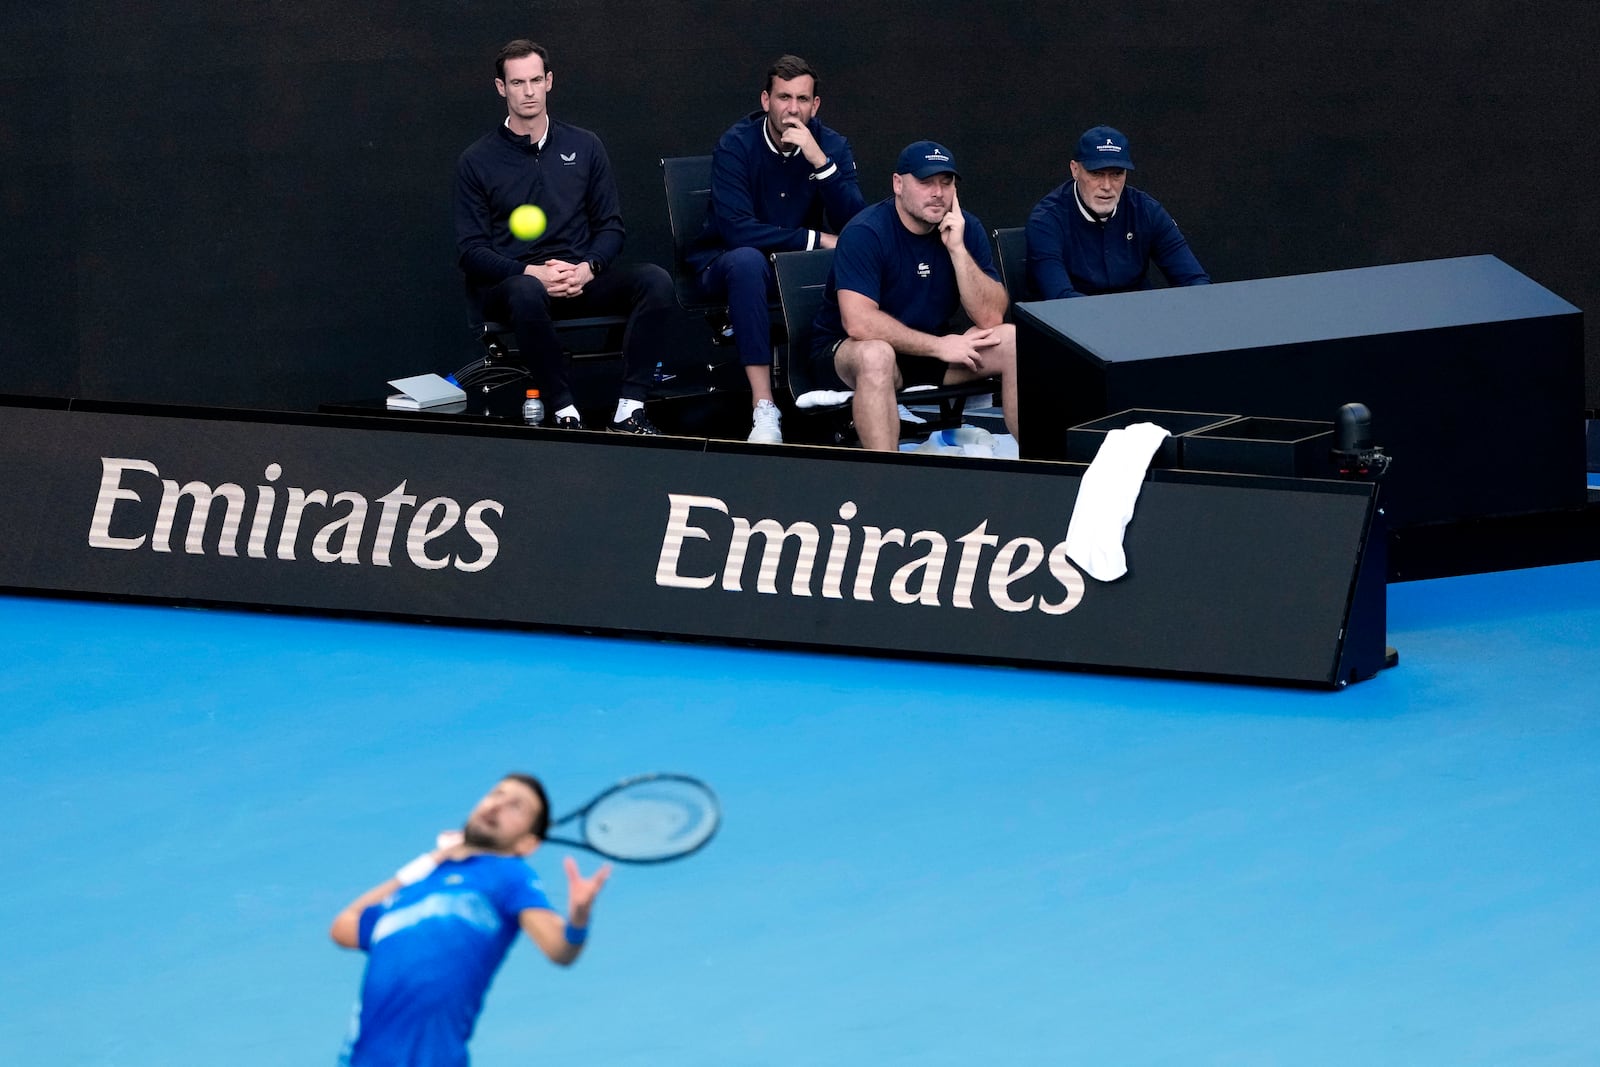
1270, 579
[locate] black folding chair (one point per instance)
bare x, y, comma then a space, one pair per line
687, 180
590, 337
1011, 255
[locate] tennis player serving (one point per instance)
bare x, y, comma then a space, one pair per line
436, 932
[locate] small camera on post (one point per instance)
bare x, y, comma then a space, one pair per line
1354, 454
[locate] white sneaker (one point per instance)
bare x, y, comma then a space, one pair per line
764, 424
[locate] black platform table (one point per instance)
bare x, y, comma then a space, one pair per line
1473, 372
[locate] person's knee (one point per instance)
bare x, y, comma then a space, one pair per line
526, 297
746, 268
1006, 350
654, 288
873, 365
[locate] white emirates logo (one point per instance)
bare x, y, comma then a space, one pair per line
334, 526
1009, 575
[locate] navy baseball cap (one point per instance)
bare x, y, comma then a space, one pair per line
1103, 147
924, 159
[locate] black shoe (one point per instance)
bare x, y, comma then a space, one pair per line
637, 423
568, 422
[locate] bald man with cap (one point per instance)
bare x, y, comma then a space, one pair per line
1096, 234
901, 270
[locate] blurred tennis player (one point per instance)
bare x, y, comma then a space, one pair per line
436, 933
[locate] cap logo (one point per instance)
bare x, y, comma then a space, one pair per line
1107, 147
936, 156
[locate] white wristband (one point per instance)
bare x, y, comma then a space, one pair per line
417, 869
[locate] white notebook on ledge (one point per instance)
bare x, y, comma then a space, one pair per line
425, 391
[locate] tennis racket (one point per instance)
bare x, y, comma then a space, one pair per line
649, 818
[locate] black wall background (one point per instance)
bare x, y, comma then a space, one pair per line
248, 203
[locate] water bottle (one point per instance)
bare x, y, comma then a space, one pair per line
962, 441
533, 409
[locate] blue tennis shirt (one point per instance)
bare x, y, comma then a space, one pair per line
432, 950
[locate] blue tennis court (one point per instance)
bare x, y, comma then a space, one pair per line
920, 864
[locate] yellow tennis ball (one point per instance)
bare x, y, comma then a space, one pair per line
527, 222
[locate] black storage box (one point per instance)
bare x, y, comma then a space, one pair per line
1297, 448
1084, 441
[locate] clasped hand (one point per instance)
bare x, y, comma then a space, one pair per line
560, 278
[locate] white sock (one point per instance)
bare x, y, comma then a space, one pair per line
626, 407
568, 412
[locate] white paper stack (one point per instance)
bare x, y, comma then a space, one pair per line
424, 391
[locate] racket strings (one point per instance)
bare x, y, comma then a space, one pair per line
652, 820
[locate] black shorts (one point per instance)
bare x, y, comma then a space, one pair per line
914, 370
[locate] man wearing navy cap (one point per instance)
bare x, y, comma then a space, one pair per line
901, 269
1095, 234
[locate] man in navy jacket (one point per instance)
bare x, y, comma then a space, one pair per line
1094, 234
568, 271
780, 182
